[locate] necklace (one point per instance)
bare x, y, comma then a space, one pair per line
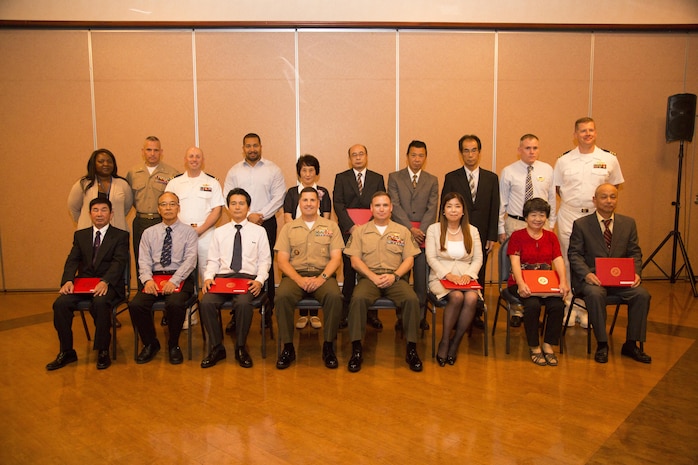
457, 231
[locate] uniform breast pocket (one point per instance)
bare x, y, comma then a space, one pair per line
204, 194
394, 248
138, 185
600, 172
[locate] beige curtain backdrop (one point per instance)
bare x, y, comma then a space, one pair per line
66, 92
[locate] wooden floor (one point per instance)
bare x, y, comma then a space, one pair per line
499, 409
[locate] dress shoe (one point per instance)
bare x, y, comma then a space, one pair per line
478, 323
315, 322
423, 325
633, 351
601, 355
149, 351
375, 322
343, 323
216, 355
441, 361
398, 325
285, 359
515, 321
329, 357
302, 322
62, 359
176, 356
413, 360
355, 361
230, 328
243, 358
451, 360
103, 360
163, 320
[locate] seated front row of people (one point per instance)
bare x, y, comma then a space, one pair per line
309, 251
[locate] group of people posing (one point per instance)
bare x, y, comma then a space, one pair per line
381, 237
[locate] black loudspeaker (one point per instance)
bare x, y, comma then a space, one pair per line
680, 117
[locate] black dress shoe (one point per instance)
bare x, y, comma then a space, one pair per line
176, 356
285, 359
355, 361
441, 361
343, 323
103, 360
149, 351
451, 360
243, 358
375, 322
216, 355
398, 325
329, 357
413, 360
423, 325
601, 355
515, 321
163, 320
478, 323
633, 351
62, 359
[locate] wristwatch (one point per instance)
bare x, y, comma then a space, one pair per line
324, 276
397, 277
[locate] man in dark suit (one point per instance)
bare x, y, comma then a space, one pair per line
100, 251
415, 195
589, 240
354, 188
480, 189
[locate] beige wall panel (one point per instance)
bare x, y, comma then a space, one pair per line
689, 205
246, 84
633, 76
347, 96
446, 91
543, 87
47, 134
143, 86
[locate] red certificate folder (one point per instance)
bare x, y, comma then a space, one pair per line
450, 285
359, 215
615, 272
230, 286
85, 285
160, 278
542, 283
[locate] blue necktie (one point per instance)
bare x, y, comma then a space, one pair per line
236, 262
166, 257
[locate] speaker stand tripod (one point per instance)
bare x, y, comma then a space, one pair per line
675, 234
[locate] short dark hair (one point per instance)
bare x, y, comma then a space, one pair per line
418, 144
238, 191
100, 200
469, 137
583, 120
168, 192
536, 205
152, 139
381, 194
307, 160
251, 135
528, 136
305, 190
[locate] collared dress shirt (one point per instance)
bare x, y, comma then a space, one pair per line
264, 182
184, 251
256, 254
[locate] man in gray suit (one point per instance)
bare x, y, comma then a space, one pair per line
415, 195
608, 234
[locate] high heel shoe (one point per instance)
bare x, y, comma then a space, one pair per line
451, 359
441, 361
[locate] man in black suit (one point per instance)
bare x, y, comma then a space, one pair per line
589, 240
100, 251
480, 189
354, 188
415, 195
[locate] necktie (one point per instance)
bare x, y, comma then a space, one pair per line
95, 247
166, 257
414, 181
236, 262
528, 195
607, 234
361, 184
473, 190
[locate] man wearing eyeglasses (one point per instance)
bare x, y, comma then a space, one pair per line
480, 189
168, 248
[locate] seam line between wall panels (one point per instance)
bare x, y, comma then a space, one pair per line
397, 100
494, 101
298, 96
591, 76
92, 90
196, 88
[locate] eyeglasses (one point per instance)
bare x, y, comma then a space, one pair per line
358, 154
468, 152
167, 204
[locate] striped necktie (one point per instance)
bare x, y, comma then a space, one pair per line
414, 181
473, 189
166, 256
528, 195
360, 184
607, 234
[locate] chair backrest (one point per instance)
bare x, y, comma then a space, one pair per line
504, 265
